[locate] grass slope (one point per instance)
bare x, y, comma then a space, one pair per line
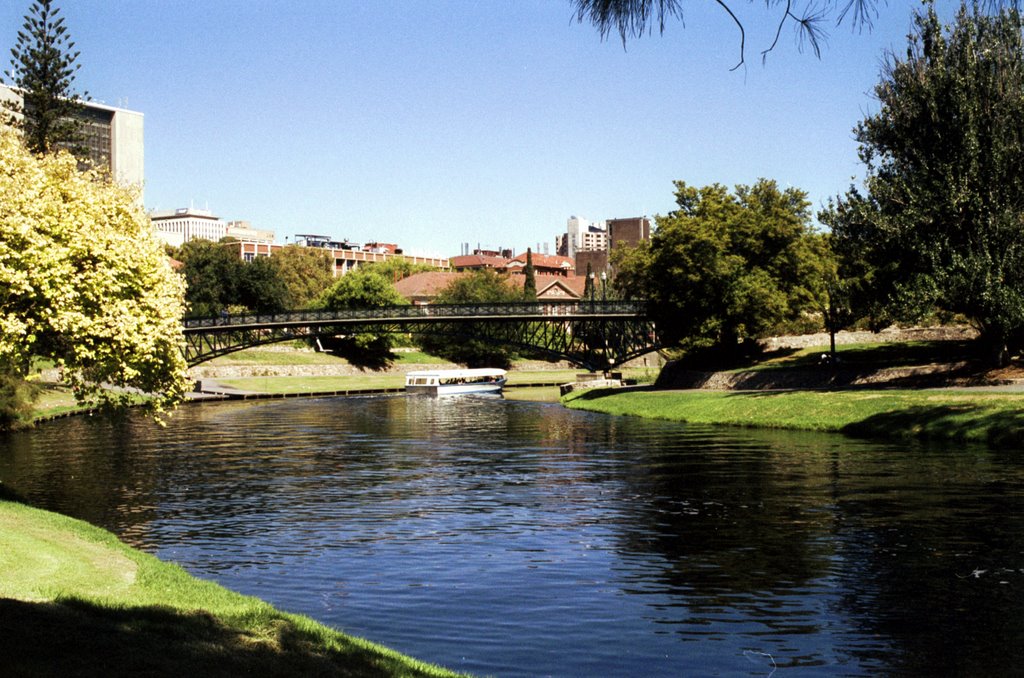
74, 600
982, 416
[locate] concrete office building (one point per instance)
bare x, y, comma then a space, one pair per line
177, 227
113, 137
581, 236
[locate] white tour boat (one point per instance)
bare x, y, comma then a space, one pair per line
455, 382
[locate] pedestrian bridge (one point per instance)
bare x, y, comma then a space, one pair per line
595, 335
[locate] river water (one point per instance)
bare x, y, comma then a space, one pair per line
512, 538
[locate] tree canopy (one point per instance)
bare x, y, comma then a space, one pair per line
365, 287
942, 215
43, 67
305, 272
480, 286
726, 267
83, 280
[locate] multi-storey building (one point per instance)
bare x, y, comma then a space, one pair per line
628, 232
179, 226
581, 236
113, 138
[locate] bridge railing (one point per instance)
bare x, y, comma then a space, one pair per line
539, 310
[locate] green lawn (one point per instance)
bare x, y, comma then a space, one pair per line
982, 416
74, 600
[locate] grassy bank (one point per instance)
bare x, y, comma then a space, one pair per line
981, 416
74, 600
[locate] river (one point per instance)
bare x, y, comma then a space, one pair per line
523, 539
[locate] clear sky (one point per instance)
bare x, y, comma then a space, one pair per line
430, 123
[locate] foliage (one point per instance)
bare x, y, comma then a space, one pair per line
943, 215
261, 288
84, 282
305, 272
481, 286
588, 284
43, 67
633, 18
213, 274
366, 287
17, 397
530, 278
725, 268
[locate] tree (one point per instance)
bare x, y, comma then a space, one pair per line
479, 287
942, 219
633, 18
726, 268
261, 288
366, 287
213, 274
84, 282
306, 273
530, 278
43, 67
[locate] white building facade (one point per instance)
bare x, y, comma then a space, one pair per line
582, 236
182, 225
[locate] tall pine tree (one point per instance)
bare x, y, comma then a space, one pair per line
43, 67
530, 284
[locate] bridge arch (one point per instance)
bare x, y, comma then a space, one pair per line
593, 335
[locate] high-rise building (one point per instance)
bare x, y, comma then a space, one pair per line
581, 235
112, 136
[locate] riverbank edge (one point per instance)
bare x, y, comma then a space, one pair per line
61, 570
989, 417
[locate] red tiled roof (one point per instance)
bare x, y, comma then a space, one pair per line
425, 285
478, 261
548, 261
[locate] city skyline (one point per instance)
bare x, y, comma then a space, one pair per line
431, 125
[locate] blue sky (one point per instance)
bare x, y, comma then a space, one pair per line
433, 123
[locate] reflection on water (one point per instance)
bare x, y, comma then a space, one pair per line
515, 538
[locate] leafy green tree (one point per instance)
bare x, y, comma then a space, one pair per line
306, 273
365, 287
478, 287
43, 67
530, 278
261, 288
17, 397
724, 268
84, 282
942, 219
213, 275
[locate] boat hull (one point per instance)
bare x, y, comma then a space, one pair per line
455, 389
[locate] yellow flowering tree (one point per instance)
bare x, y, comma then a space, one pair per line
84, 282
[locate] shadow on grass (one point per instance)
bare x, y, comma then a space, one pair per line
598, 393
944, 422
76, 638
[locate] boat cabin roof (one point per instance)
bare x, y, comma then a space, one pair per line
447, 374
